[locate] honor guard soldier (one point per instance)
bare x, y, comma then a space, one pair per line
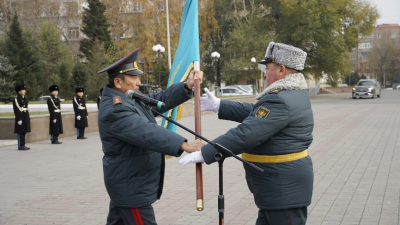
54, 106
274, 134
81, 115
22, 120
134, 145
99, 98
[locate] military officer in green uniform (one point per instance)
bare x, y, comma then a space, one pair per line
274, 133
134, 145
54, 106
22, 120
81, 114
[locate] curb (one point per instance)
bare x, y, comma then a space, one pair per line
8, 143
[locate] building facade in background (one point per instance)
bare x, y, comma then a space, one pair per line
364, 59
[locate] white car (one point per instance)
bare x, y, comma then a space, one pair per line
398, 87
44, 98
230, 90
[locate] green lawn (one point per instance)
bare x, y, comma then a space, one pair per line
10, 114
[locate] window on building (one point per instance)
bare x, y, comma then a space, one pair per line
138, 7
70, 9
162, 5
393, 35
365, 45
73, 33
379, 35
353, 56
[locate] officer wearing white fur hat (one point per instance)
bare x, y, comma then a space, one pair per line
274, 133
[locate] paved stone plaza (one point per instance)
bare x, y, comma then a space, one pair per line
356, 156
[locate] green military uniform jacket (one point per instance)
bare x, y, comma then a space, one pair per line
134, 145
281, 122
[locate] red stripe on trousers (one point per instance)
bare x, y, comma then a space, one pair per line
290, 221
139, 217
134, 215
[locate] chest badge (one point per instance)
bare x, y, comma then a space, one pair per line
262, 112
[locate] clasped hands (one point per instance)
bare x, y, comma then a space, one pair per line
194, 150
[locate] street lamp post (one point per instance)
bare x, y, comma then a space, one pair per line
253, 60
141, 61
215, 56
159, 48
350, 79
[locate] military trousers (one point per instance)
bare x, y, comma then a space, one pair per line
21, 140
296, 216
81, 132
54, 138
131, 216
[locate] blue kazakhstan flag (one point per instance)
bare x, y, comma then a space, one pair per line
187, 53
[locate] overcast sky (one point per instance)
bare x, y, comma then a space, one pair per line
388, 9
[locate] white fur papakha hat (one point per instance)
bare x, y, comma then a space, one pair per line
287, 55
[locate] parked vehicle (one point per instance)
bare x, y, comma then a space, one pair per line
243, 88
246, 88
230, 90
43, 98
398, 87
367, 88
147, 89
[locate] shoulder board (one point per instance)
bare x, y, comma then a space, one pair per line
274, 92
117, 100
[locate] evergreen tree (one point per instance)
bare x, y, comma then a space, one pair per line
18, 47
79, 76
95, 27
7, 83
99, 60
65, 76
352, 79
54, 54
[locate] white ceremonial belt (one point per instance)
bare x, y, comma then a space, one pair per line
57, 110
81, 107
24, 109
